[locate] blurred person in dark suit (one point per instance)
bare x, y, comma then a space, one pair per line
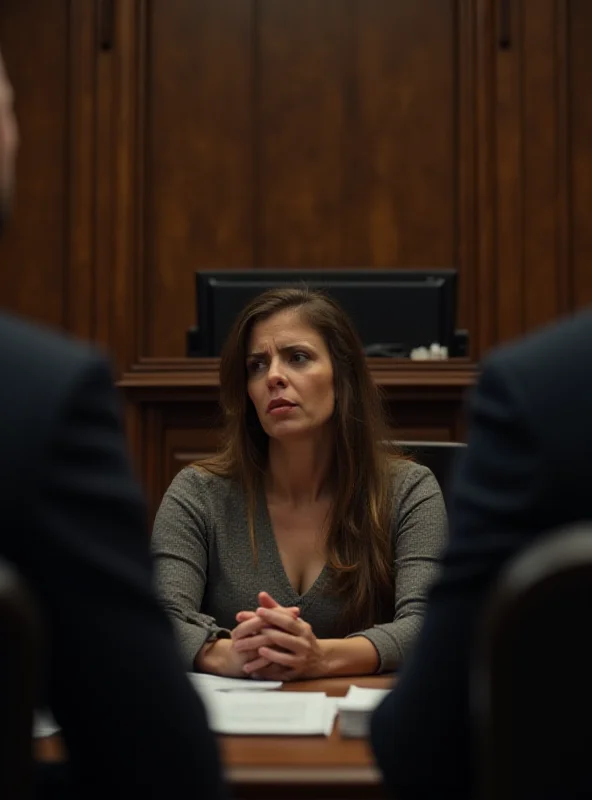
74, 527
526, 471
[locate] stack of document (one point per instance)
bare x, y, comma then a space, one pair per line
271, 713
355, 710
204, 682
44, 724
236, 706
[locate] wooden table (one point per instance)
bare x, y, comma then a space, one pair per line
290, 767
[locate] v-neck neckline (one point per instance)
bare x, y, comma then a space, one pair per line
266, 526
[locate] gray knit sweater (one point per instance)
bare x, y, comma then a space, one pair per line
206, 572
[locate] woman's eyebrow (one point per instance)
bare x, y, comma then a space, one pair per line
282, 349
296, 346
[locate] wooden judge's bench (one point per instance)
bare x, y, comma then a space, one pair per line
173, 415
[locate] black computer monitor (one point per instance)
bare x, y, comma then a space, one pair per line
394, 310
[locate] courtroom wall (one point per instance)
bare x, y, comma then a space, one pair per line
159, 138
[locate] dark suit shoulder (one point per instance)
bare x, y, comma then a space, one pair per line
30, 349
40, 367
41, 371
547, 353
547, 381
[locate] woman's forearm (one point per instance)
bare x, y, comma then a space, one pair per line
213, 656
354, 656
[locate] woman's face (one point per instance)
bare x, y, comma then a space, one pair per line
289, 376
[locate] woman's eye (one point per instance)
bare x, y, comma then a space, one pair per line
300, 358
255, 366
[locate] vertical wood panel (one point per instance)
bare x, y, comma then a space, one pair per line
467, 141
122, 188
543, 175
81, 289
199, 168
532, 249
564, 183
509, 199
302, 79
485, 330
406, 128
580, 108
359, 161
111, 225
35, 39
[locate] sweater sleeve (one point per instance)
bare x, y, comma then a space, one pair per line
180, 543
420, 530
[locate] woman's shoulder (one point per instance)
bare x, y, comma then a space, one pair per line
410, 478
195, 477
417, 496
405, 470
197, 485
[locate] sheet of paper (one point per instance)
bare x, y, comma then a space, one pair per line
209, 683
359, 698
271, 713
44, 724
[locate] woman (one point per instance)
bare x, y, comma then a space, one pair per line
303, 549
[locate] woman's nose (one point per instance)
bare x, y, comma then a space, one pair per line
276, 375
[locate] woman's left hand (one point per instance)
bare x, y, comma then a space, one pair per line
295, 651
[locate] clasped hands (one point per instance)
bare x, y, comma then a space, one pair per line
273, 643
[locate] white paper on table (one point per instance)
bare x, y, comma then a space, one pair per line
359, 698
356, 709
44, 724
204, 682
271, 713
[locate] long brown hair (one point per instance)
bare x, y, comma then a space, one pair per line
358, 543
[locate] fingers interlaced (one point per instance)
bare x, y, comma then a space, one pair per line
282, 620
248, 627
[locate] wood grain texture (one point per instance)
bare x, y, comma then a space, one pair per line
579, 60
49, 255
536, 165
330, 134
34, 249
198, 158
531, 173
313, 133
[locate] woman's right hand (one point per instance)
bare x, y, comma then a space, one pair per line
222, 658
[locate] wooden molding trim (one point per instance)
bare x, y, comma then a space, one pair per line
203, 373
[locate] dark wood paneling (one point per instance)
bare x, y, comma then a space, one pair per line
403, 123
33, 252
544, 175
579, 55
83, 292
48, 255
199, 180
360, 153
302, 79
302, 133
531, 187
